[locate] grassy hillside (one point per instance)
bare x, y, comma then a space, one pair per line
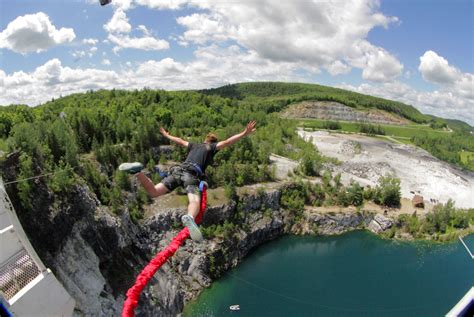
428, 132
293, 92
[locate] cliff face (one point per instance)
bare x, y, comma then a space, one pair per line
329, 110
97, 255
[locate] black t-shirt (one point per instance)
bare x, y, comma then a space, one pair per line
201, 154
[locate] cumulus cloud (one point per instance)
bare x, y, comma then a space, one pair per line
90, 41
118, 23
436, 69
119, 28
52, 80
440, 103
162, 4
235, 65
106, 62
146, 43
33, 33
317, 33
381, 66
338, 68
123, 4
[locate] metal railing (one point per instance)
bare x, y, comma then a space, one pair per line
25, 265
16, 273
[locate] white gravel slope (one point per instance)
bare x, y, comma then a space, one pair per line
418, 170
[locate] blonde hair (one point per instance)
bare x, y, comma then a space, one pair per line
211, 138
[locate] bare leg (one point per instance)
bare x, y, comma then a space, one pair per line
194, 204
152, 189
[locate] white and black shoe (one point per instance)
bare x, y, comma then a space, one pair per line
194, 231
131, 168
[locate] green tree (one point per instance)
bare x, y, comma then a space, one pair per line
230, 191
355, 194
62, 179
24, 186
388, 191
122, 180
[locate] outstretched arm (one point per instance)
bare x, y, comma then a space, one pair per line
250, 128
173, 138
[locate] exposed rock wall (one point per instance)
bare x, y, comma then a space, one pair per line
329, 110
97, 255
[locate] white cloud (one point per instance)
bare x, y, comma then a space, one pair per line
338, 68
118, 27
143, 28
90, 41
316, 33
146, 43
234, 65
440, 103
52, 80
33, 33
118, 23
381, 66
78, 54
122, 4
436, 69
162, 4
106, 62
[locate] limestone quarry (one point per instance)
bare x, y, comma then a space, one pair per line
330, 110
365, 159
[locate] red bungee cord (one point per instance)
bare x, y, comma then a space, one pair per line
133, 293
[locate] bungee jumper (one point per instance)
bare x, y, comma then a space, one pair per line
189, 173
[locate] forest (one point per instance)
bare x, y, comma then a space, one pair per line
82, 138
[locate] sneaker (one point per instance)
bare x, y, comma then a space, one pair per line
194, 231
131, 168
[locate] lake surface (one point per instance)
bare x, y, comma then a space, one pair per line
355, 274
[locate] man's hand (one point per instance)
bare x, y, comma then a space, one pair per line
173, 138
164, 132
250, 128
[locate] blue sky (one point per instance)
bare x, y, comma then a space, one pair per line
419, 52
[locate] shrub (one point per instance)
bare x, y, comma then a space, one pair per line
230, 191
310, 165
332, 125
371, 129
24, 187
122, 180
63, 179
444, 216
292, 198
387, 192
355, 194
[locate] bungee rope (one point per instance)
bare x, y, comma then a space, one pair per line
133, 293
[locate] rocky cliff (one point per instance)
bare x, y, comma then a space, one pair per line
96, 255
329, 110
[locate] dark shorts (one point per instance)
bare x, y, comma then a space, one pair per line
182, 176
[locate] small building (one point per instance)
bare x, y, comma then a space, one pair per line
418, 202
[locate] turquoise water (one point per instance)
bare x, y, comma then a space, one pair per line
356, 274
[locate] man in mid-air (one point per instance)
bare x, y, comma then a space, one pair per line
187, 174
